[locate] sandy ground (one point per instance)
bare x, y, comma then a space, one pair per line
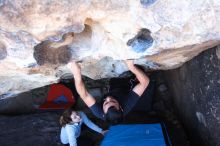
39, 129
43, 129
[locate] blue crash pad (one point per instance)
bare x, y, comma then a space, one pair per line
134, 135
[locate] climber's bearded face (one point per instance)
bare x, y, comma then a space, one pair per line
110, 102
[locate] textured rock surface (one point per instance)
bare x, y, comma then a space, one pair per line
37, 38
195, 88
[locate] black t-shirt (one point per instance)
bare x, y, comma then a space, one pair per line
127, 102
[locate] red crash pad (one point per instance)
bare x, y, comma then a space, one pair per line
59, 97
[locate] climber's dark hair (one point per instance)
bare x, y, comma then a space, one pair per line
114, 116
65, 118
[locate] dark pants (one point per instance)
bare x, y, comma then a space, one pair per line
83, 141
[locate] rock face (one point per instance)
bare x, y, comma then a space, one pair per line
195, 88
37, 38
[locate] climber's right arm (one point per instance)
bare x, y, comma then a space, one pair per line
79, 84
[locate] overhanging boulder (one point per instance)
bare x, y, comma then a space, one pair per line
37, 38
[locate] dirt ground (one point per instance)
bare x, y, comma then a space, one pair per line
41, 128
